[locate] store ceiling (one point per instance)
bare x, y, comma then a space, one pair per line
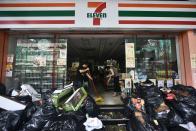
97, 48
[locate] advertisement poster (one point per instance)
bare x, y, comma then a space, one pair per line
161, 83
9, 65
193, 66
193, 61
10, 58
61, 62
128, 83
63, 53
170, 83
39, 61
9, 70
130, 55
132, 74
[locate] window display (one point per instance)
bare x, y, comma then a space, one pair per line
156, 58
40, 62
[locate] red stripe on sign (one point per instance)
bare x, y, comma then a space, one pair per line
157, 22
157, 5
37, 22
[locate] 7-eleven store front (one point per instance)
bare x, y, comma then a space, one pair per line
34, 38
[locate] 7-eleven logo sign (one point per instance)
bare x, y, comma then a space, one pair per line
97, 15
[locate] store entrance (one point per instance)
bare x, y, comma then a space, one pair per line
100, 53
47, 61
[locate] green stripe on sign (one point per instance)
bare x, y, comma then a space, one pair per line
155, 14
37, 13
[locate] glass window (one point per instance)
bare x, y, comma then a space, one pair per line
37, 60
156, 57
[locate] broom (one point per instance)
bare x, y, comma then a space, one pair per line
98, 97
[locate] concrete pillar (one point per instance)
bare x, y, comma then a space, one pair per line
187, 47
3, 54
192, 54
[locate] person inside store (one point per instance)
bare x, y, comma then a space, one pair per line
83, 76
109, 74
107, 77
113, 73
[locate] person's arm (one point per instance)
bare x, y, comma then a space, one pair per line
83, 70
112, 73
89, 76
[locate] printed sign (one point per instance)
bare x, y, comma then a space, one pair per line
193, 61
61, 62
170, 83
39, 61
10, 58
63, 53
161, 83
193, 66
128, 83
93, 14
130, 55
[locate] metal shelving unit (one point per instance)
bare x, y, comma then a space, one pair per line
41, 78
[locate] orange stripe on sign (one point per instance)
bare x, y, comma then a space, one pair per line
94, 4
157, 22
157, 5
38, 5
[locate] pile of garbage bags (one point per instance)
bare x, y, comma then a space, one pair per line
161, 109
45, 117
183, 102
148, 108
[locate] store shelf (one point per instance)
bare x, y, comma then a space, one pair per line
34, 75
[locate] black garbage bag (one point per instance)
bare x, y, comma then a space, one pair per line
149, 125
14, 120
185, 111
61, 123
154, 101
191, 90
176, 128
150, 111
150, 90
189, 100
91, 107
162, 115
128, 112
24, 99
79, 116
136, 125
40, 117
28, 112
10, 121
174, 118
